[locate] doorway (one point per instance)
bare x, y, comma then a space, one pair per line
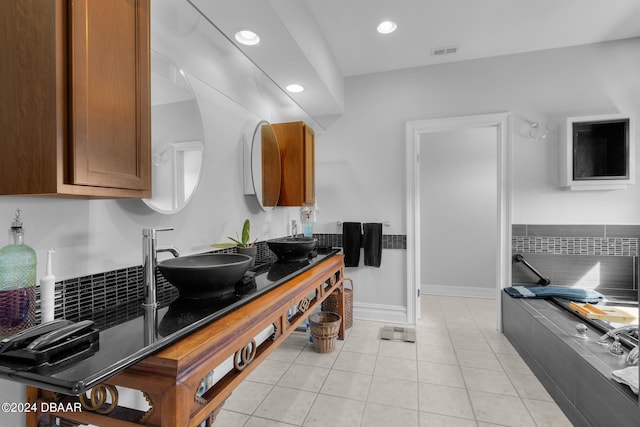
417, 131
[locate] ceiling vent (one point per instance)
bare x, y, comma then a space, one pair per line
441, 51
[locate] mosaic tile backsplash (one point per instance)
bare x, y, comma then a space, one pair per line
601, 257
116, 296
576, 246
576, 240
389, 241
106, 298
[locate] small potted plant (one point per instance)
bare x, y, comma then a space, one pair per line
242, 243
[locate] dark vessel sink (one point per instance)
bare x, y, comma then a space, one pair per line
205, 276
292, 248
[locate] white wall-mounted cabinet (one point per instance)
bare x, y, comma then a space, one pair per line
597, 152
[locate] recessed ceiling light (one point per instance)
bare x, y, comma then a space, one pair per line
247, 37
295, 88
386, 27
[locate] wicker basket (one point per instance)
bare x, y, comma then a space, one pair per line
331, 304
324, 329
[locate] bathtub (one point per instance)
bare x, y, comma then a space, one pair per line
576, 373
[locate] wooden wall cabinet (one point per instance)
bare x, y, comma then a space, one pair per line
75, 109
297, 145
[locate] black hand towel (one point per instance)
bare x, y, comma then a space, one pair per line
373, 244
351, 243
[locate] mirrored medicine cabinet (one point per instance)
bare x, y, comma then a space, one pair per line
262, 166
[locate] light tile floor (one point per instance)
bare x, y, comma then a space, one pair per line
460, 372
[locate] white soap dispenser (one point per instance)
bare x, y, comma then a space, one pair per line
47, 294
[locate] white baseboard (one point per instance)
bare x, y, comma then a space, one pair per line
380, 312
458, 291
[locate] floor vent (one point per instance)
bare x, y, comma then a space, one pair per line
398, 333
441, 51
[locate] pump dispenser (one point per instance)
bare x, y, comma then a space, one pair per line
17, 282
47, 291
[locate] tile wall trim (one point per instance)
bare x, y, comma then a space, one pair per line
389, 241
575, 246
601, 240
579, 230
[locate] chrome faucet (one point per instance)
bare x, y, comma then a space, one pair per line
634, 354
149, 261
294, 228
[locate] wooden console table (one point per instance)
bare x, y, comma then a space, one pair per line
171, 379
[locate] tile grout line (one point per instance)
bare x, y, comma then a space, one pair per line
508, 378
324, 381
480, 323
464, 381
370, 381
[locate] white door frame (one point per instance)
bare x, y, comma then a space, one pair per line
502, 123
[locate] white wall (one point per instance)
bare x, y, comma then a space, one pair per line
458, 214
361, 158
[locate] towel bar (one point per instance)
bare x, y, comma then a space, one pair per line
385, 223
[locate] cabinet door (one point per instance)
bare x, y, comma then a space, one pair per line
110, 95
296, 142
309, 167
29, 114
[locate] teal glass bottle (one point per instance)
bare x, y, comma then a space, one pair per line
17, 282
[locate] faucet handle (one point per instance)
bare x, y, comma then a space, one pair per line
164, 229
581, 331
633, 356
616, 348
151, 232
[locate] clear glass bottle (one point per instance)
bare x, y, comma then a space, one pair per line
17, 282
307, 218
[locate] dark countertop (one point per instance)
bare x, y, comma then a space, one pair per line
129, 342
562, 323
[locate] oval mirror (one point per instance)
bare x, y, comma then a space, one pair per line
265, 166
177, 137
